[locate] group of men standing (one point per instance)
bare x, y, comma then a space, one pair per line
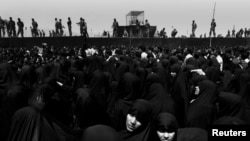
59, 27
212, 28
9, 27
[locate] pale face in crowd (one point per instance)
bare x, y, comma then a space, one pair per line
132, 123
173, 74
197, 90
166, 136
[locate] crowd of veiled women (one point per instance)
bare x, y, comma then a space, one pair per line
121, 94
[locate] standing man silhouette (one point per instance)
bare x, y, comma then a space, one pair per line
212, 28
147, 25
194, 26
69, 26
115, 28
20, 27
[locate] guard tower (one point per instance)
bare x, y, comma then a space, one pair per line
132, 16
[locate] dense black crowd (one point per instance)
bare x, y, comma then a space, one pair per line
118, 93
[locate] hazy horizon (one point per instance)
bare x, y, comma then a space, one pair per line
99, 15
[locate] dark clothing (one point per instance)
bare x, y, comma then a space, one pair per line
115, 28
100, 133
20, 28
126, 93
69, 27
142, 110
160, 100
165, 122
16, 98
2, 24
212, 29
12, 28
8, 79
34, 29
231, 104
30, 124
192, 134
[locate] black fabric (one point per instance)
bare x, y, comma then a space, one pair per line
30, 124
16, 98
42, 73
231, 104
192, 134
246, 98
213, 71
160, 100
227, 120
98, 89
180, 93
202, 111
201, 115
80, 108
141, 109
164, 74
121, 68
165, 122
8, 79
150, 79
127, 92
208, 93
142, 74
28, 77
100, 133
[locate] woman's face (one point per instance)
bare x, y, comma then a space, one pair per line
173, 74
165, 136
132, 123
196, 90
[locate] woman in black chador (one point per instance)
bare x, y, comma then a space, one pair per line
165, 127
138, 126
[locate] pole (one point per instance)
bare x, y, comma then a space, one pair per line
210, 44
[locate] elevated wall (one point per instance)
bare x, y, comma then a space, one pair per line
80, 41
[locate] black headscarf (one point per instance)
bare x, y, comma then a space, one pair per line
16, 98
127, 92
151, 79
142, 110
100, 132
201, 112
121, 68
231, 105
28, 77
160, 99
208, 92
180, 92
165, 122
98, 88
8, 79
213, 71
192, 134
163, 72
95, 106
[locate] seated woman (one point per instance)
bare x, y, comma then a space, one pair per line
165, 127
138, 127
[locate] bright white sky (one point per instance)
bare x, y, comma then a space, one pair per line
99, 14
